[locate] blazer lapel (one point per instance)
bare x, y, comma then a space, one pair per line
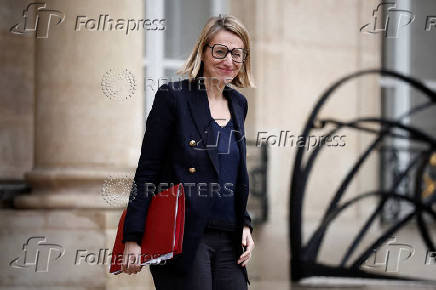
237, 112
199, 106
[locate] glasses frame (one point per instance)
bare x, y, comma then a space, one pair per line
229, 50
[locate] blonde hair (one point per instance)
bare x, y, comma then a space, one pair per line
215, 24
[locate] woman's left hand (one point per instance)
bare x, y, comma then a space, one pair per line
247, 241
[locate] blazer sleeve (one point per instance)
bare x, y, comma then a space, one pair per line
247, 218
159, 127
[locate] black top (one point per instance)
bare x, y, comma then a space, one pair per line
223, 213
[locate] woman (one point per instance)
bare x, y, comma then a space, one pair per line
195, 135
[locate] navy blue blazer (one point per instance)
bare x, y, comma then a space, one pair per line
180, 114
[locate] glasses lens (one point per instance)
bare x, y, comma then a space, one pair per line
219, 51
238, 54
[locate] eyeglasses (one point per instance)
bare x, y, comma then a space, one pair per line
220, 51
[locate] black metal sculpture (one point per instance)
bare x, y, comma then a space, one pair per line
258, 202
304, 256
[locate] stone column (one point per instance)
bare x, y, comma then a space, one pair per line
83, 136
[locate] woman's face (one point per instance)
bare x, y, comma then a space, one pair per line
225, 70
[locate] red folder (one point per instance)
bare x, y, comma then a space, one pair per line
164, 226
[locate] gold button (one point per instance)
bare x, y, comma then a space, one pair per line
433, 160
192, 170
192, 143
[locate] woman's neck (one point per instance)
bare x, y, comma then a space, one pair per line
214, 88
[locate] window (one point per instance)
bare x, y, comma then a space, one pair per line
166, 52
412, 53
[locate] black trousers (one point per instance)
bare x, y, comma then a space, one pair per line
215, 267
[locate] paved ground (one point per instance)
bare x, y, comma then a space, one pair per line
269, 267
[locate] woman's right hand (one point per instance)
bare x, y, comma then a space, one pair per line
131, 258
